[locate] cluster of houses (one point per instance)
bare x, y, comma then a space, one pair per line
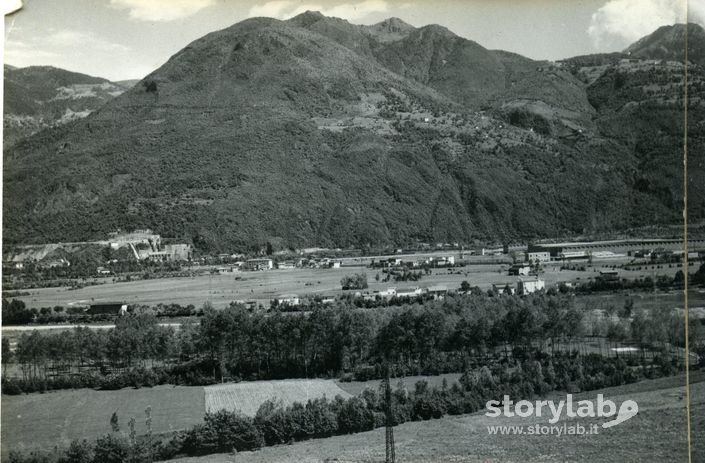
415, 262
435, 292
523, 287
432, 292
260, 264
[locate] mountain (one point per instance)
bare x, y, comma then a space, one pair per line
668, 43
314, 131
38, 97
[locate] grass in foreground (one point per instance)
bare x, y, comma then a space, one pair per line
656, 434
32, 421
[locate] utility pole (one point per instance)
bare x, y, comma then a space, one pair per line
389, 414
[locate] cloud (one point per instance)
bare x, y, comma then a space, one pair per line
71, 38
628, 20
274, 9
65, 48
161, 10
23, 54
696, 12
285, 9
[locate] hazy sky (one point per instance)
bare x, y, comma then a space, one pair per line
125, 39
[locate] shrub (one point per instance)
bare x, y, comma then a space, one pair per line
354, 416
111, 448
357, 281
222, 432
78, 452
274, 423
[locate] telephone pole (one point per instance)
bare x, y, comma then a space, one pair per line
389, 414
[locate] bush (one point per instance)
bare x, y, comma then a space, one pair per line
111, 448
354, 416
78, 452
428, 406
222, 432
274, 423
11, 386
357, 281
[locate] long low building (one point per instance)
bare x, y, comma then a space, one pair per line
557, 250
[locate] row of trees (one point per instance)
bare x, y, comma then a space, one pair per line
274, 423
429, 338
15, 312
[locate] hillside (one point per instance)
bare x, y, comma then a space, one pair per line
314, 131
38, 97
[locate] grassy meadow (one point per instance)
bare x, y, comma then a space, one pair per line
221, 289
655, 434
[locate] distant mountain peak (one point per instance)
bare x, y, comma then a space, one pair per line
307, 18
394, 24
668, 42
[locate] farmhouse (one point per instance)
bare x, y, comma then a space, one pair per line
519, 269
258, 264
288, 299
608, 275
109, 308
492, 252
445, 261
503, 288
437, 291
388, 293
525, 287
413, 292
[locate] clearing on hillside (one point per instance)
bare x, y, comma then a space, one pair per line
248, 396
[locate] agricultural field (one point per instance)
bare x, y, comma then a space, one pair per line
655, 434
56, 418
221, 289
52, 419
248, 396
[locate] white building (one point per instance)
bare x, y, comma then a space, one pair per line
413, 292
438, 291
503, 288
388, 293
288, 299
259, 264
520, 269
525, 287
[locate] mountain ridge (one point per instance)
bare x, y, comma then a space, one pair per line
38, 97
314, 131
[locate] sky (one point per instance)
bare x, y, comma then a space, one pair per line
128, 39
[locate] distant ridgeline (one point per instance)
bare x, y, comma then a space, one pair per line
317, 132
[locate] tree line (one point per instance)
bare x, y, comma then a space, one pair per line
338, 341
225, 431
